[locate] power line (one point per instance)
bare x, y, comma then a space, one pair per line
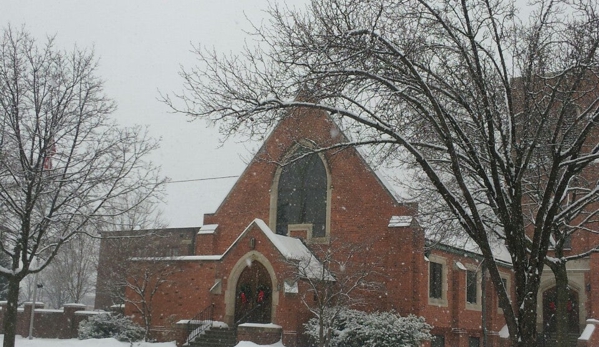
204, 179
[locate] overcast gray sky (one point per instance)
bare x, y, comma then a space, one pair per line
141, 45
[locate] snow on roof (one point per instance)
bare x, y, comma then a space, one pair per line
290, 247
464, 242
294, 249
208, 229
400, 221
181, 258
260, 325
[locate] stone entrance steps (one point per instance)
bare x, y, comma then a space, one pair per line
216, 337
548, 340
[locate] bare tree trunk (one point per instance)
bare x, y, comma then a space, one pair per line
321, 341
528, 325
562, 296
10, 316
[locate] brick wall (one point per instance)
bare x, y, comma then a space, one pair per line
117, 246
57, 324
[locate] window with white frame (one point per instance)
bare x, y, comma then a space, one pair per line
505, 279
473, 288
437, 285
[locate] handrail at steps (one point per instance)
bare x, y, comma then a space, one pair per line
241, 320
204, 319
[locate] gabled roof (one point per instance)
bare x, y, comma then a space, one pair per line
289, 247
340, 138
294, 249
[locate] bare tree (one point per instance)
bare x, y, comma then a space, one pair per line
72, 273
335, 280
145, 279
133, 234
62, 159
466, 94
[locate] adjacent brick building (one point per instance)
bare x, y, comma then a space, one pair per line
277, 215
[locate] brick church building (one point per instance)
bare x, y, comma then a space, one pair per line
241, 266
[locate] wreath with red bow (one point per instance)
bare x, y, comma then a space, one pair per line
553, 306
262, 293
245, 293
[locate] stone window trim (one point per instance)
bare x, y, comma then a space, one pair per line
275, 189
506, 278
444, 283
308, 229
475, 306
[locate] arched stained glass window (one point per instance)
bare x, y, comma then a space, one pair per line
302, 194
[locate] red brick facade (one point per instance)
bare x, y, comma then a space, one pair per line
359, 210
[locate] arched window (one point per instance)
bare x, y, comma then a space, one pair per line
302, 194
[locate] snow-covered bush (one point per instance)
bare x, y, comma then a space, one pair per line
352, 328
106, 325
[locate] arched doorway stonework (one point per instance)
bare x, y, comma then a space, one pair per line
250, 280
576, 281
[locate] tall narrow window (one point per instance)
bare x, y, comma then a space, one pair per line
302, 194
436, 281
471, 287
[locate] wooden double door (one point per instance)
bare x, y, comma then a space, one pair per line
253, 298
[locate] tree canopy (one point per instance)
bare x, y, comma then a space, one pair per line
494, 108
64, 163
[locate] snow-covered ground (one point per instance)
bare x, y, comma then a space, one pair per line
251, 344
24, 342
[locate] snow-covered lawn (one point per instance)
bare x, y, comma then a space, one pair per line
251, 344
24, 342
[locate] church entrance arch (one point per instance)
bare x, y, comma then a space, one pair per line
253, 295
550, 311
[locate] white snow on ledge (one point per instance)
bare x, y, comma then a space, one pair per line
181, 258
587, 333
260, 325
208, 229
504, 332
80, 313
251, 344
400, 221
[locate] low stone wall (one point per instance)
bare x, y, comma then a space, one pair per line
57, 324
